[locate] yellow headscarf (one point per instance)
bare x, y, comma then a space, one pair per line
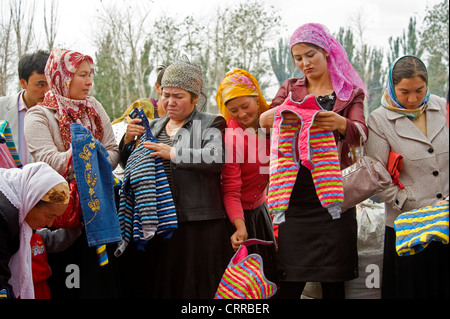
144, 104
238, 83
58, 194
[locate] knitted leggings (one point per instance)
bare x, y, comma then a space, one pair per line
303, 143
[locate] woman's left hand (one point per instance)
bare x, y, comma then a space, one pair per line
160, 149
329, 120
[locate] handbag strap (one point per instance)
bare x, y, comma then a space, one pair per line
66, 171
254, 241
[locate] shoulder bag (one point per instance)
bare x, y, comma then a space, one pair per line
364, 179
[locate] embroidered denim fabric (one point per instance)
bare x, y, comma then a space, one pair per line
146, 205
95, 182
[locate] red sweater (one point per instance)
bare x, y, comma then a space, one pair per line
246, 171
40, 268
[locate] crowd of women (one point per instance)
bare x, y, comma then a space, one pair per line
220, 203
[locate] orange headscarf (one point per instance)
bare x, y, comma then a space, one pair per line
238, 83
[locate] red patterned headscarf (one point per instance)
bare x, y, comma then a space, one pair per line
59, 72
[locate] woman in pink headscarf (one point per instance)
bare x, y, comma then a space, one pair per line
313, 247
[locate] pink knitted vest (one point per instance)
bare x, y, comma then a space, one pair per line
314, 148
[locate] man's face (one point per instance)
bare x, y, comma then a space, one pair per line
35, 88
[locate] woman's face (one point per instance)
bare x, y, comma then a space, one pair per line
177, 103
81, 82
245, 110
311, 61
44, 214
410, 92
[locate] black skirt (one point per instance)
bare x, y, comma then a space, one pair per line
419, 276
313, 247
259, 226
189, 265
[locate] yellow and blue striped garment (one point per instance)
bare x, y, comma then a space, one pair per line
5, 132
417, 228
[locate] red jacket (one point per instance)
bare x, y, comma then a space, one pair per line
40, 267
352, 110
246, 171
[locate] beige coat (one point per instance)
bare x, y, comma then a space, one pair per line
45, 142
425, 170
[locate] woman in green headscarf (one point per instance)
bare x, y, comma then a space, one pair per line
411, 122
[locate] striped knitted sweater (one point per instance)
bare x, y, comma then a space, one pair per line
306, 144
146, 204
5, 132
416, 229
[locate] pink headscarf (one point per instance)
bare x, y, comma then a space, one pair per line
343, 75
59, 71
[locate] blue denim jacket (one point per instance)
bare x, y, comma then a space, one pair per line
93, 173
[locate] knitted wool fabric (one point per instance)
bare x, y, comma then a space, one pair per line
5, 132
244, 276
417, 228
309, 145
146, 204
283, 169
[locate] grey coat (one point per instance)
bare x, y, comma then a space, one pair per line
425, 170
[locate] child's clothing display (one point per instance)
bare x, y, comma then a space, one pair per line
306, 144
146, 204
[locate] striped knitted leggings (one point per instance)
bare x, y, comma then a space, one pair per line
306, 144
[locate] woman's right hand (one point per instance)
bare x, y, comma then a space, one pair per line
240, 235
133, 130
290, 117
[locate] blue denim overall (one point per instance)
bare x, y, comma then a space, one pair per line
95, 182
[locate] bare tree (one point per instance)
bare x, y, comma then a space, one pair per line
365, 55
22, 20
125, 25
5, 53
51, 23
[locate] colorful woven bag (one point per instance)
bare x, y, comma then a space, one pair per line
244, 277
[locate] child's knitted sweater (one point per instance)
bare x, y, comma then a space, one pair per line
303, 143
146, 205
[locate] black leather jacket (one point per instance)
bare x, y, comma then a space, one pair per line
197, 167
9, 239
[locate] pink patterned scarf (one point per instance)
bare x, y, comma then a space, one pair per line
59, 71
343, 75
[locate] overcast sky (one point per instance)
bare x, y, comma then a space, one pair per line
383, 18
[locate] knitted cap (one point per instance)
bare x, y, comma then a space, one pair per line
187, 76
183, 75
